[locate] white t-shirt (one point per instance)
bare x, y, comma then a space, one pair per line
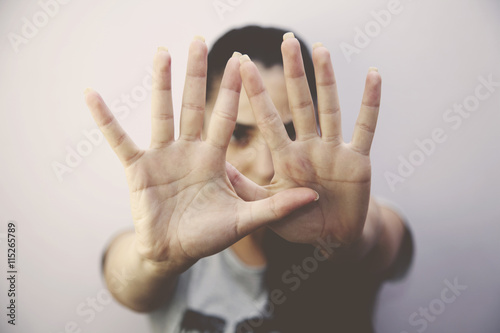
215, 295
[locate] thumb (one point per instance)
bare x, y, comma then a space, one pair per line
256, 214
244, 187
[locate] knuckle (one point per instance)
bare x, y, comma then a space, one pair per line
267, 119
304, 104
330, 110
163, 116
119, 141
193, 107
365, 127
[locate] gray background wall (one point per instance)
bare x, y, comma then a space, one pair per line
430, 55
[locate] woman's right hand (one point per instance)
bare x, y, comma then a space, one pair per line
183, 204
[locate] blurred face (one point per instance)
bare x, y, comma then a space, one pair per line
247, 149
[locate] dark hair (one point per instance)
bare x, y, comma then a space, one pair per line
333, 297
262, 45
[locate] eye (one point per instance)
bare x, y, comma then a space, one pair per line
241, 136
291, 131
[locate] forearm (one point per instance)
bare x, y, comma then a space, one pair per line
385, 244
135, 282
380, 240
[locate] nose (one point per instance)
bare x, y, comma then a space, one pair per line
263, 167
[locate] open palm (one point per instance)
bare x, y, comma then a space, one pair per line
183, 204
340, 172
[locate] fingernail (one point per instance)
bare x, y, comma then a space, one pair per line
317, 196
236, 54
244, 58
198, 37
373, 69
162, 48
318, 44
87, 90
288, 35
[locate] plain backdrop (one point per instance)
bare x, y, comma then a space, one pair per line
430, 55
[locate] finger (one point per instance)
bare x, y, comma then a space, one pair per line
244, 187
162, 120
225, 110
328, 99
193, 99
255, 214
118, 139
367, 119
266, 115
299, 96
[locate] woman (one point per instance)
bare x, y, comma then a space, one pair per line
293, 243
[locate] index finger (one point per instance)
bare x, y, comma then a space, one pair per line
266, 115
225, 110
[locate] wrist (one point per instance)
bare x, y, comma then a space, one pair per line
359, 243
157, 269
